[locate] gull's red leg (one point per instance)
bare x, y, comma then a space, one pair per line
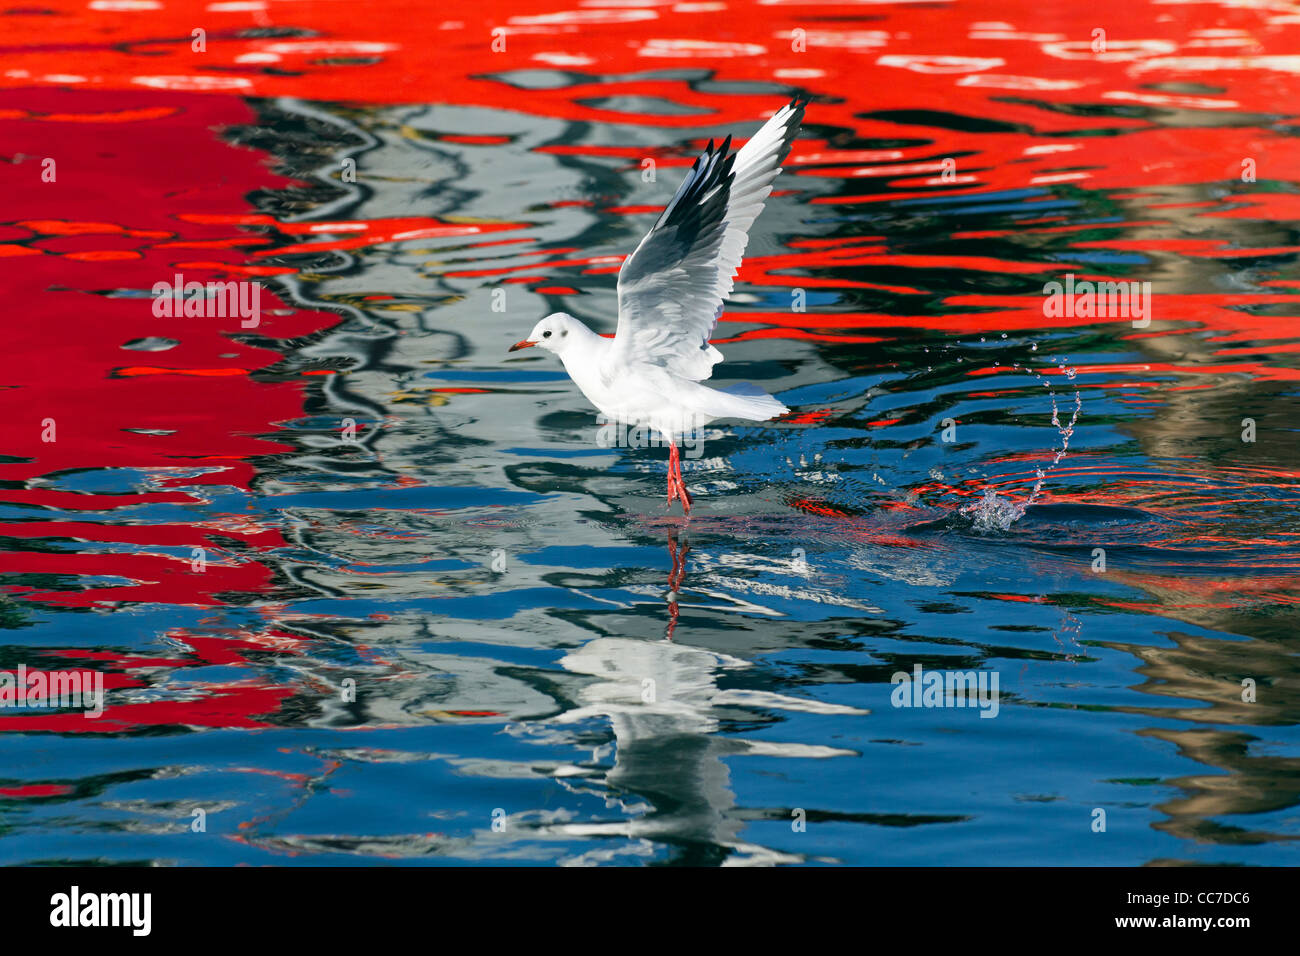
673, 467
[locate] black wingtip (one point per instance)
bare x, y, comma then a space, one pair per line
797, 106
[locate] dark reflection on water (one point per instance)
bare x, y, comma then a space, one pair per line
550, 667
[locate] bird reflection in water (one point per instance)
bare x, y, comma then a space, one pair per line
677, 551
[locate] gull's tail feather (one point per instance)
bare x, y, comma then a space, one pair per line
746, 401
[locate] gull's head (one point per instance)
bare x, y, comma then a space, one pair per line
554, 333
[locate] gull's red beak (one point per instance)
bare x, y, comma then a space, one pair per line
525, 344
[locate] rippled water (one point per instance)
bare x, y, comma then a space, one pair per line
238, 525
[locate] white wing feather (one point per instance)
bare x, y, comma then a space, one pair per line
672, 288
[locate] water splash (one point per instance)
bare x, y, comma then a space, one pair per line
994, 512
1065, 431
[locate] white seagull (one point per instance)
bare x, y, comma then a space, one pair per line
670, 294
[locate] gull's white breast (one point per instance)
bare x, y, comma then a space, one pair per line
633, 394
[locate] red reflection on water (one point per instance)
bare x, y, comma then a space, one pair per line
230, 704
145, 189
133, 181
35, 790
118, 179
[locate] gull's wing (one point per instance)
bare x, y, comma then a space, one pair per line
671, 289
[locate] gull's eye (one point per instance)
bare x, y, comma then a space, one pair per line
546, 334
